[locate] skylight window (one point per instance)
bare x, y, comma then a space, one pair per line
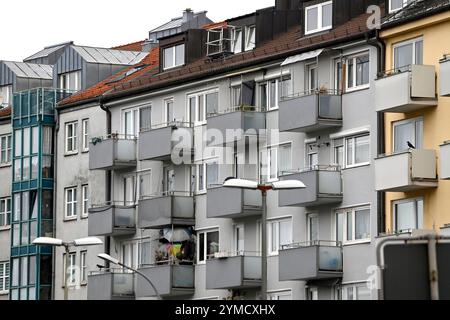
319, 17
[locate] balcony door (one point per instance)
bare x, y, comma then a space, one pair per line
408, 53
408, 133
169, 181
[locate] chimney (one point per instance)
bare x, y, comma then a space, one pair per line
188, 15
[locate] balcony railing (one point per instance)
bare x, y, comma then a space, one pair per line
111, 284
170, 208
310, 111
323, 187
112, 219
113, 152
406, 171
445, 76
234, 271
312, 260
406, 89
232, 203
162, 142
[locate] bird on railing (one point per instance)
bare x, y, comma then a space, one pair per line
410, 145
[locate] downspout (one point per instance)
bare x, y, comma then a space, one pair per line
55, 189
108, 195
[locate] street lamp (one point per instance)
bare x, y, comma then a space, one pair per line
108, 258
84, 242
275, 186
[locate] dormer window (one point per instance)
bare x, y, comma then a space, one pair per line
250, 38
173, 56
396, 5
319, 17
237, 40
70, 81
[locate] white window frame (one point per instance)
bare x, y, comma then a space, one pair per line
197, 96
7, 99
419, 220
405, 43
205, 244
174, 57
166, 119
7, 151
65, 78
406, 121
312, 293
238, 36
320, 26
83, 267
72, 203
267, 84
309, 217
84, 201
73, 264
352, 211
73, 137
276, 223
355, 86
312, 67
85, 135
275, 295
345, 142
5, 277
271, 149
250, 42
6, 214
354, 286
134, 113
129, 252
311, 149
391, 10
235, 244
202, 167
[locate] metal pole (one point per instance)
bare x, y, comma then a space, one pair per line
432, 263
264, 246
143, 276
66, 284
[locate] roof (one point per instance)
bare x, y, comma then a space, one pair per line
30, 70
285, 45
5, 112
134, 46
174, 23
415, 10
150, 64
109, 56
47, 51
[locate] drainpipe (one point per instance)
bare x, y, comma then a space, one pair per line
108, 194
55, 209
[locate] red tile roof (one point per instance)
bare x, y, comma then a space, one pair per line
134, 46
5, 112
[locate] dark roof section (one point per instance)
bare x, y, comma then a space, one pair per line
5, 112
417, 9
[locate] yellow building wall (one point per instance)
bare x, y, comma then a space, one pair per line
436, 42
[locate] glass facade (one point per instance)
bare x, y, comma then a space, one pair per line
32, 199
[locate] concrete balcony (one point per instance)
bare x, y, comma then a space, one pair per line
445, 161
445, 77
160, 143
230, 203
234, 125
323, 187
238, 272
406, 91
311, 261
406, 171
112, 220
162, 211
310, 112
111, 285
114, 153
169, 280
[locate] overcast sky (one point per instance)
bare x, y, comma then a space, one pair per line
30, 25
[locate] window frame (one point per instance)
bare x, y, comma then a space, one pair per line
7, 151
352, 211
5, 279
238, 37
236, 228
270, 226
7, 213
203, 96
9, 94
73, 203
355, 87
275, 295
73, 264
309, 218
85, 135
135, 122
73, 138
320, 26
414, 42
84, 201
64, 80
83, 267
205, 244
405, 3
354, 286
174, 56
249, 45
346, 145
418, 220
416, 121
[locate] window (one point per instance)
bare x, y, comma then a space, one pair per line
130, 123
208, 245
71, 137
408, 131
71, 202
5, 212
236, 97
169, 180
200, 178
271, 92
396, 5
408, 215
130, 255
85, 200
70, 81
169, 112
279, 234
280, 295
408, 53
145, 184
250, 38
272, 165
352, 151
358, 72
312, 155
85, 134
6, 95
313, 81
279, 160
5, 150
71, 269
319, 17
203, 105
358, 291
238, 239
4, 276
353, 225
145, 253
313, 227
338, 83
237, 40
145, 119
212, 173
173, 56
312, 294
83, 266
129, 190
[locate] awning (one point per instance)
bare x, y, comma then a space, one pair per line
302, 57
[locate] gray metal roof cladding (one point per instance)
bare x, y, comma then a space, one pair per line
30, 70
174, 23
45, 52
109, 56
